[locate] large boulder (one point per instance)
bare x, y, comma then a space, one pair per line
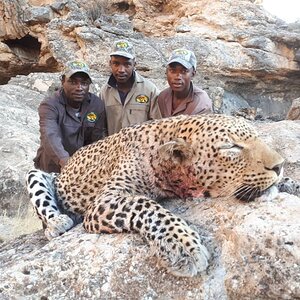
255, 251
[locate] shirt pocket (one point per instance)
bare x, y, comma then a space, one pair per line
138, 113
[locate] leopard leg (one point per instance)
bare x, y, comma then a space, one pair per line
41, 189
177, 246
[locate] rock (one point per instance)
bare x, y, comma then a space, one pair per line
255, 248
38, 15
284, 137
262, 244
297, 55
19, 140
294, 111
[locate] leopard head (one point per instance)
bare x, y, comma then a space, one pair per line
218, 156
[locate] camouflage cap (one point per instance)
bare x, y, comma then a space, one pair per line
123, 48
76, 66
184, 57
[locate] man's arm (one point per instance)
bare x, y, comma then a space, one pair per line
100, 130
207, 104
202, 104
51, 137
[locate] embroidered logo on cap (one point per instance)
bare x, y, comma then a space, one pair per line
181, 51
142, 99
77, 65
92, 117
122, 45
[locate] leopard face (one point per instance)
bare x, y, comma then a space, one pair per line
219, 156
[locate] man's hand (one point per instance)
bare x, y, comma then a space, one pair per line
63, 161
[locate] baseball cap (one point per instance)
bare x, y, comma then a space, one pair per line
184, 57
123, 48
76, 66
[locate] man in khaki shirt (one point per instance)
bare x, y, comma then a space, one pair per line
129, 98
182, 96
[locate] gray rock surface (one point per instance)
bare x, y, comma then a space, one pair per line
255, 251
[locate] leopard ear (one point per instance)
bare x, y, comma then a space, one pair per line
177, 151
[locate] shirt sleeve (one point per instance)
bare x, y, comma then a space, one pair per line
205, 105
50, 131
104, 132
208, 107
154, 112
100, 130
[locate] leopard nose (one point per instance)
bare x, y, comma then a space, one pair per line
277, 168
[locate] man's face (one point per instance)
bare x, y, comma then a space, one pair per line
179, 77
122, 68
76, 87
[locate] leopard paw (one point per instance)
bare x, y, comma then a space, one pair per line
184, 256
190, 264
58, 225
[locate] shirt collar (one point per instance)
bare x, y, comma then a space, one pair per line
113, 82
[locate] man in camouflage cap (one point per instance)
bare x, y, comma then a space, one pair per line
129, 98
182, 97
69, 119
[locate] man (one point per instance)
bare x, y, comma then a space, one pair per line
69, 119
182, 97
129, 98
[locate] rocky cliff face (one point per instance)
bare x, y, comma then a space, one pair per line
246, 56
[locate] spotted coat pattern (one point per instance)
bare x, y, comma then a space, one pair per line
113, 185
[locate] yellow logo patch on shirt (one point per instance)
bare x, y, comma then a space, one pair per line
92, 117
142, 99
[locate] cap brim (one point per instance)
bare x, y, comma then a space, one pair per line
183, 62
121, 53
69, 74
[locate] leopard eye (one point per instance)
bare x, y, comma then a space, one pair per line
230, 151
231, 146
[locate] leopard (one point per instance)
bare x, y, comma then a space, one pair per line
115, 185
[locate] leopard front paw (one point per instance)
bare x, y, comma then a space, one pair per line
184, 256
58, 225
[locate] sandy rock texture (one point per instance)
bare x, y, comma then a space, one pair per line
19, 138
255, 251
